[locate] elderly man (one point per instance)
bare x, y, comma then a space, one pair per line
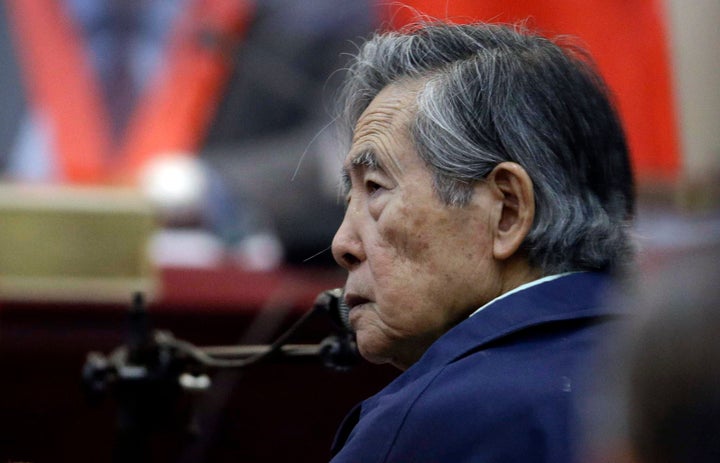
489, 194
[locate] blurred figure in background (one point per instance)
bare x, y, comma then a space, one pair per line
191, 100
270, 137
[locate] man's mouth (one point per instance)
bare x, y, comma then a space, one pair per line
355, 300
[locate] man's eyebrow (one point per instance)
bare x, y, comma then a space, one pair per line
366, 158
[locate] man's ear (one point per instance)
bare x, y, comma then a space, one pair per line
511, 185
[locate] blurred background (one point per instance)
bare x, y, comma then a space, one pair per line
185, 149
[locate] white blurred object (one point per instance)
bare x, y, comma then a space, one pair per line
259, 252
176, 184
186, 248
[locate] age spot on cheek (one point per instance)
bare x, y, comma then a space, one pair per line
405, 234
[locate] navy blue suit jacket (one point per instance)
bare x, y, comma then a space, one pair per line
502, 386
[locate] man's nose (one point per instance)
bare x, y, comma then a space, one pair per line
347, 247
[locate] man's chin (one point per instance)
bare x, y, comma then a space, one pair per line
370, 350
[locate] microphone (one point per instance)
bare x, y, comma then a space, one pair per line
338, 351
333, 303
344, 311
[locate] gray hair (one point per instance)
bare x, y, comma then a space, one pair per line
495, 93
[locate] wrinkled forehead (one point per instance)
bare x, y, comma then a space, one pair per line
381, 140
391, 110
389, 114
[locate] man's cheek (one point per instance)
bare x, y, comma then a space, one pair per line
404, 238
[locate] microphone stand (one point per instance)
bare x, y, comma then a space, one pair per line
149, 373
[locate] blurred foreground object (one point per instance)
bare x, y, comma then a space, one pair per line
673, 364
72, 243
659, 395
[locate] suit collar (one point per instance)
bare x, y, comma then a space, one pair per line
572, 296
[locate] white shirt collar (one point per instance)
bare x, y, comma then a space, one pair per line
524, 287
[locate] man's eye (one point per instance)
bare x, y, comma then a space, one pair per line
372, 187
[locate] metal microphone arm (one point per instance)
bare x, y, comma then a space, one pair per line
152, 370
152, 357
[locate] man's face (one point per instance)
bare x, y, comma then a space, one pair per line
416, 266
